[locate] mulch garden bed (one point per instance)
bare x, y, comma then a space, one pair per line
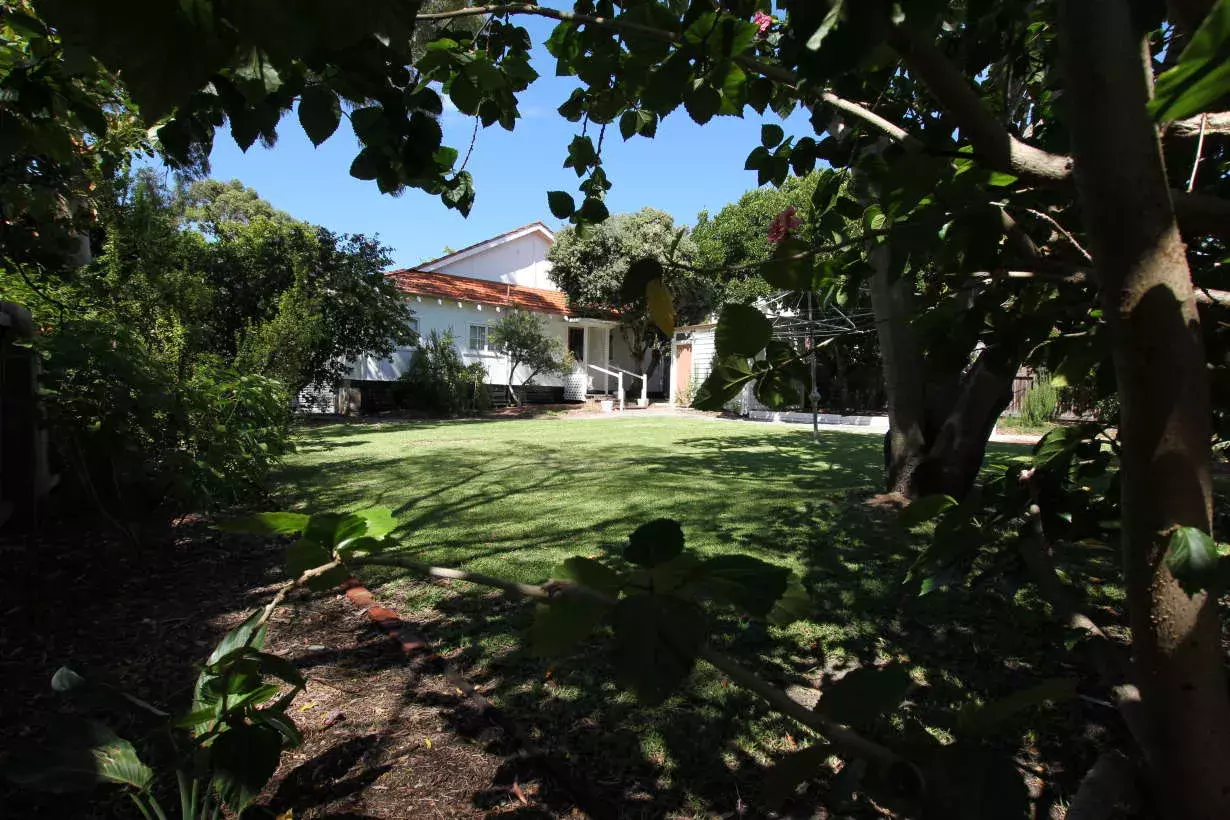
390, 731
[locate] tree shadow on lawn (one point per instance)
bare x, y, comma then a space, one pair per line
471, 500
703, 751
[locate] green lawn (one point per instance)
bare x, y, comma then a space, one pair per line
516, 497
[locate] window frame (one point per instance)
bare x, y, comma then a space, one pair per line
486, 348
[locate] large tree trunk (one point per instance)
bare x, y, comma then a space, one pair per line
901, 357
957, 437
1147, 295
938, 432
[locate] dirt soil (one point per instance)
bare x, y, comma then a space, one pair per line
389, 733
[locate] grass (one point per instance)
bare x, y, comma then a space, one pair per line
1018, 424
515, 498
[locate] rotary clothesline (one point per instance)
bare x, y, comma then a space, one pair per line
793, 317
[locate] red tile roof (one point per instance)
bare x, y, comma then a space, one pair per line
465, 289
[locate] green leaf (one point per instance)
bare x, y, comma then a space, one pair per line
640, 273
581, 155
926, 508
874, 219
777, 389
1191, 557
380, 521
771, 135
998, 179
592, 210
281, 723
627, 125
366, 545
89, 755
562, 624
654, 542
364, 165
331, 529
748, 583
656, 641
561, 204
865, 694
983, 719
243, 759
1055, 449
319, 113
248, 633
271, 523
724, 382
1201, 79
661, 306
702, 103
304, 555
589, 573
741, 331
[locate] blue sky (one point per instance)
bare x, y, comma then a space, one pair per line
685, 168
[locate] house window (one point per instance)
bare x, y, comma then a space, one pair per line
576, 343
478, 338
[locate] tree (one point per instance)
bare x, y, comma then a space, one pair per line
734, 242
523, 338
592, 266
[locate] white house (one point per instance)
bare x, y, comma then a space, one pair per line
467, 291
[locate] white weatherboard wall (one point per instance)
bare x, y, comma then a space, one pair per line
703, 351
519, 260
445, 315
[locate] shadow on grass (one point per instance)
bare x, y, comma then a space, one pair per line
778, 496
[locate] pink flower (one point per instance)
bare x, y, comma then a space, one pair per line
763, 22
783, 224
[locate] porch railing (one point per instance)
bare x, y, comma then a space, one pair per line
619, 374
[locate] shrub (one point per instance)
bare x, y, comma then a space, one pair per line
439, 381
1040, 403
133, 436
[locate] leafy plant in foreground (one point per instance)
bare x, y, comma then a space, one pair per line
222, 751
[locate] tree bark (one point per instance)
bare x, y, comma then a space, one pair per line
901, 358
956, 449
1148, 300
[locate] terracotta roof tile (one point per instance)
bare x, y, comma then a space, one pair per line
465, 289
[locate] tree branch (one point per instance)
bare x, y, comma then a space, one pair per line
989, 137
1189, 129
1062, 231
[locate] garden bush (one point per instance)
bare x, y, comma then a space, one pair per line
1040, 403
132, 435
439, 381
